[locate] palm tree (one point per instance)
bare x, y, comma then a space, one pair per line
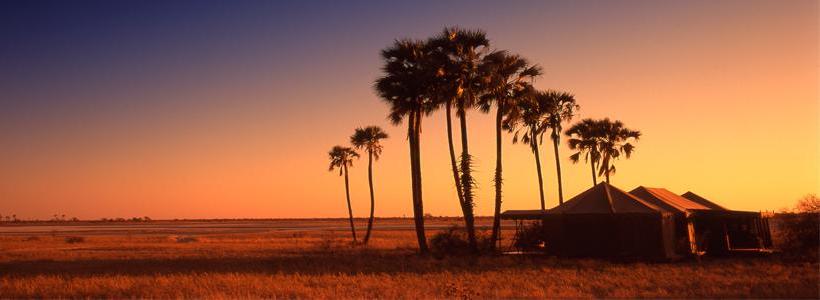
405, 86
443, 92
342, 158
614, 141
463, 50
560, 108
583, 137
505, 80
527, 119
369, 138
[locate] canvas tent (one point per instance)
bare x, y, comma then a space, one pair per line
604, 221
646, 222
701, 225
702, 201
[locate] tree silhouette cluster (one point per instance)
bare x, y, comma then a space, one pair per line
457, 70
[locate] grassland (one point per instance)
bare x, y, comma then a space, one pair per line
323, 264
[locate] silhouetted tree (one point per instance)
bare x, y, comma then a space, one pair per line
614, 142
506, 79
560, 107
527, 119
584, 137
464, 50
342, 158
369, 138
405, 86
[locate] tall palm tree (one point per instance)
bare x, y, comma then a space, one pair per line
615, 140
405, 87
506, 79
560, 108
583, 138
369, 138
342, 158
528, 122
464, 50
445, 93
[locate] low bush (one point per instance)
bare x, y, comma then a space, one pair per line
530, 237
453, 242
799, 231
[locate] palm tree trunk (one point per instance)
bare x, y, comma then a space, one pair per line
592, 165
349, 209
498, 180
372, 196
534, 145
606, 172
415, 157
558, 169
456, 178
467, 182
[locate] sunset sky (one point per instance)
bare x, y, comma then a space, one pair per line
226, 109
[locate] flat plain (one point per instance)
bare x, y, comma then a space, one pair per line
315, 259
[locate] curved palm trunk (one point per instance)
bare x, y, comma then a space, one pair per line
467, 182
349, 209
592, 165
606, 170
498, 181
456, 177
372, 197
534, 145
415, 169
558, 169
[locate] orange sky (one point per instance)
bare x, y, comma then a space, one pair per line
726, 95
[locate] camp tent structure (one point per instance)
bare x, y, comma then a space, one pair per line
604, 221
702, 226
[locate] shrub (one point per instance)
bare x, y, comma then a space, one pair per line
453, 242
74, 239
530, 237
799, 231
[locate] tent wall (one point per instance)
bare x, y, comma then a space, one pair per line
610, 235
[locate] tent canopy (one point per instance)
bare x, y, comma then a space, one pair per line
666, 200
702, 201
604, 199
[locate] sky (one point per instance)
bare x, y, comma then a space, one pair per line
226, 109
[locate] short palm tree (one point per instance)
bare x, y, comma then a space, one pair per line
560, 108
463, 50
615, 140
527, 119
405, 87
342, 158
506, 78
369, 139
583, 138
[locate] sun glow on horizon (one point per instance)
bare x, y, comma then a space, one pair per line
230, 113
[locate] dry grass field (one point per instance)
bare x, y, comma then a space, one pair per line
322, 264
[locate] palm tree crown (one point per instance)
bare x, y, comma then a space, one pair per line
368, 138
341, 157
408, 77
601, 142
614, 142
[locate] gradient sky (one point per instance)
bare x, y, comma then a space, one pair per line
227, 109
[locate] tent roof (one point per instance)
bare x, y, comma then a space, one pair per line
604, 199
529, 214
666, 200
702, 201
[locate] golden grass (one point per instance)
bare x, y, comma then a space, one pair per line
322, 264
